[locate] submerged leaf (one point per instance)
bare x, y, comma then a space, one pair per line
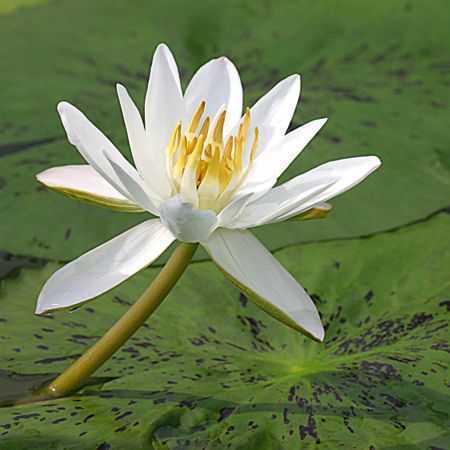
210, 370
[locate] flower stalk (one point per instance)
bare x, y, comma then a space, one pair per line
77, 374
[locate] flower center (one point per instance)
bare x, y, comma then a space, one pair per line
203, 166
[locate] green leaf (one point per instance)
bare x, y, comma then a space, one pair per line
378, 70
212, 371
9, 6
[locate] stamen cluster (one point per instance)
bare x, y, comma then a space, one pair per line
200, 159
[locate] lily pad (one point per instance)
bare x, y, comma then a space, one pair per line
212, 371
9, 6
379, 71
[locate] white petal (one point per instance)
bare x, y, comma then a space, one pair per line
157, 181
233, 209
84, 183
349, 172
218, 84
135, 185
186, 223
273, 112
257, 273
93, 146
280, 200
271, 163
164, 108
288, 200
104, 267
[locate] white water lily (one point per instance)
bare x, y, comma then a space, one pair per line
207, 173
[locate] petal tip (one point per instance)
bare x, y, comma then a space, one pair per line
319, 339
40, 176
226, 63
162, 46
62, 106
372, 163
224, 60
162, 51
294, 80
320, 335
40, 310
317, 332
317, 124
377, 162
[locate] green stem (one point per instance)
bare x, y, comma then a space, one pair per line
76, 375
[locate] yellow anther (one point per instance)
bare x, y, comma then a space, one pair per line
208, 152
218, 128
210, 182
228, 150
196, 151
174, 141
225, 176
191, 145
205, 127
254, 144
238, 154
196, 117
182, 158
201, 171
214, 164
245, 125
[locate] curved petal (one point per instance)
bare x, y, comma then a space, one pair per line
82, 182
135, 185
164, 108
218, 84
348, 173
186, 223
251, 267
288, 200
157, 181
93, 145
233, 209
104, 267
271, 163
273, 112
278, 201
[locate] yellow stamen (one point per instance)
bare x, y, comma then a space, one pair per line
245, 125
196, 117
208, 153
218, 129
238, 154
254, 144
182, 158
191, 145
228, 150
214, 167
174, 141
205, 127
201, 171
209, 188
196, 149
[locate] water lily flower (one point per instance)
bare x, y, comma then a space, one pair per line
206, 170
